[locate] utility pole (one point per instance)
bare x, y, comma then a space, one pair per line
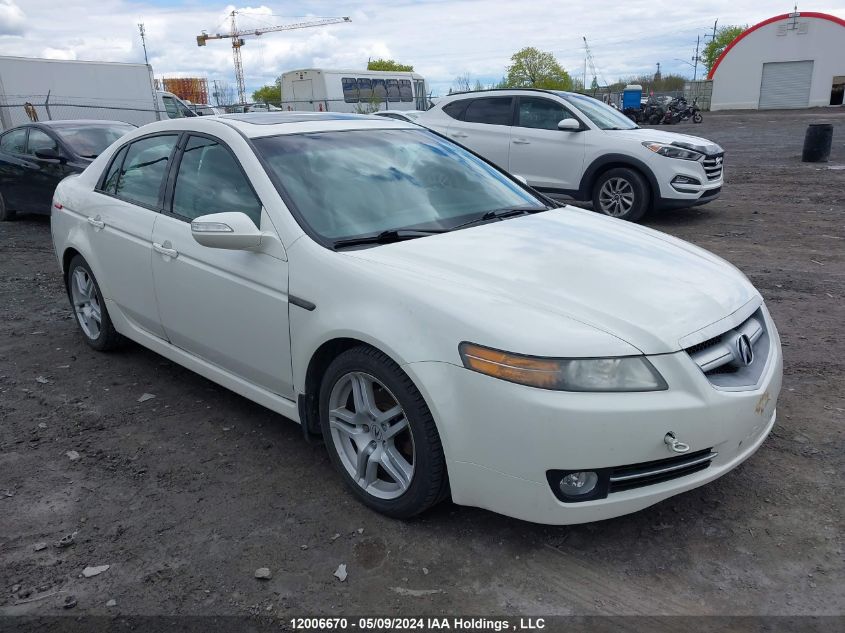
696, 58
144, 41
715, 24
657, 75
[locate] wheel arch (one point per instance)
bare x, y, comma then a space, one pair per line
69, 253
611, 161
321, 358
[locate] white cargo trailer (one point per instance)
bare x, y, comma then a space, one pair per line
321, 89
49, 89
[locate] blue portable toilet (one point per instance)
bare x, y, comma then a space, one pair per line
632, 96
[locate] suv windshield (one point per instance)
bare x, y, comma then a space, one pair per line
89, 141
363, 182
602, 115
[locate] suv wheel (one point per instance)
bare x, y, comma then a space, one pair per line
380, 434
621, 193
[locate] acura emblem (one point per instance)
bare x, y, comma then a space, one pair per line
744, 351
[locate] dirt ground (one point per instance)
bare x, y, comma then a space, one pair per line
186, 494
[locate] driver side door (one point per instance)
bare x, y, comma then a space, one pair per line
550, 159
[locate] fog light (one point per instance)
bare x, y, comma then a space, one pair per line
579, 483
685, 180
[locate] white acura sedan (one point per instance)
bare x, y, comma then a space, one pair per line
443, 327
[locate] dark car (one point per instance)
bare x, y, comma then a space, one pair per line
36, 156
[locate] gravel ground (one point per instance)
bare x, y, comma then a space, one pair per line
185, 495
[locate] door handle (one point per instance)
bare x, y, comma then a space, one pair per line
96, 222
165, 249
521, 141
458, 135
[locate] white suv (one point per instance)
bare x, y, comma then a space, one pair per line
567, 144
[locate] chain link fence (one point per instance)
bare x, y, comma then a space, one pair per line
16, 110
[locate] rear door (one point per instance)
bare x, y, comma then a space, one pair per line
228, 307
120, 225
545, 156
484, 127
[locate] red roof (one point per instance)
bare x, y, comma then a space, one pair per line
748, 31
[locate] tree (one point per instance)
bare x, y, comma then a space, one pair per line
714, 48
462, 83
269, 94
388, 64
532, 68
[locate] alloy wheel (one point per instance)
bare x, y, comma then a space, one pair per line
86, 303
371, 435
616, 197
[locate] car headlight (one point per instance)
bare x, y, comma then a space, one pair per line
672, 151
624, 373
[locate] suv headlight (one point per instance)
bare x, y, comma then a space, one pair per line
672, 151
624, 373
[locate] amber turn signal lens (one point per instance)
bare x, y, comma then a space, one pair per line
537, 372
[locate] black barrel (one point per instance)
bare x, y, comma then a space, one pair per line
817, 142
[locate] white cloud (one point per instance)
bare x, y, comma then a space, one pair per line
58, 53
441, 38
12, 18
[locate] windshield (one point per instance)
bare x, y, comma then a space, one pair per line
361, 182
89, 141
602, 115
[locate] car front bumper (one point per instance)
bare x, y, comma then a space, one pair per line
501, 438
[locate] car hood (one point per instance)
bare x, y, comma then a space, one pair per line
660, 136
639, 285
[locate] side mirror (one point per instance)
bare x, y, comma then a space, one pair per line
569, 125
232, 230
50, 153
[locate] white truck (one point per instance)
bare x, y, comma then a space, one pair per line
49, 89
361, 91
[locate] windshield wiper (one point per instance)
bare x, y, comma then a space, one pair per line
499, 214
387, 237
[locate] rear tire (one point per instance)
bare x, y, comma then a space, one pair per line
697, 118
380, 434
89, 307
621, 193
6, 214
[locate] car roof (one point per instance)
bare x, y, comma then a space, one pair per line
487, 91
259, 124
79, 122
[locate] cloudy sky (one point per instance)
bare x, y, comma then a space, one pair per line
440, 38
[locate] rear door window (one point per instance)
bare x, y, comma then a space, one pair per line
490, 111
144, 168
14, 142
110, 181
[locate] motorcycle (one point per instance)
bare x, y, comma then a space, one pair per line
686, 111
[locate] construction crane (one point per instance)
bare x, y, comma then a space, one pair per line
588, 59
237, 41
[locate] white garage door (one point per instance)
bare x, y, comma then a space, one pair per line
786, 85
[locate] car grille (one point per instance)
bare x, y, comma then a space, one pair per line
720, 360
648, 473
713, 166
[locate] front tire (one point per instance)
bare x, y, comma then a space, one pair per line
380, 434
6, 213
89, 307
621, 193
697, 118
